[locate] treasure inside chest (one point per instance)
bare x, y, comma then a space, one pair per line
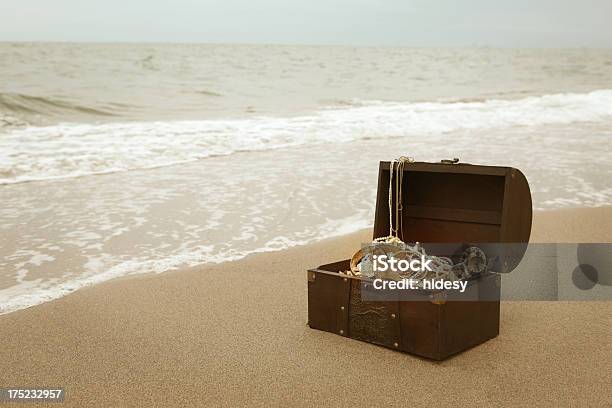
446, 203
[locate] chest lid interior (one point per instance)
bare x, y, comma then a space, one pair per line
454, 203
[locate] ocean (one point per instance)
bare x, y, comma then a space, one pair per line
120, 159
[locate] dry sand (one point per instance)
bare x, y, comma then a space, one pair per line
235, 334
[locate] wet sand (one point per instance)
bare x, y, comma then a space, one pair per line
235, 334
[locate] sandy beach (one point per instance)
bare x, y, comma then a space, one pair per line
235, 334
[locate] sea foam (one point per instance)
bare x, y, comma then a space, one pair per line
72, 150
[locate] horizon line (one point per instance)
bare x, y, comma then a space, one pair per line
129, 42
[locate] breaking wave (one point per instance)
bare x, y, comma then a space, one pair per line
72, 150
18, 104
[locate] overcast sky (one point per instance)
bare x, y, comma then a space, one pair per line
506, 23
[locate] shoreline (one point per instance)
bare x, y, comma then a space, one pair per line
221, 334
584, 225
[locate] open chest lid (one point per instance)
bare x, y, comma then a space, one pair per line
455, 203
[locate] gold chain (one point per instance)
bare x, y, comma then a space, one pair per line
399, 182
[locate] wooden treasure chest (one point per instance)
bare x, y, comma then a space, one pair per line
447, 203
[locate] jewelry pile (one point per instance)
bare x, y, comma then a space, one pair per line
473, 261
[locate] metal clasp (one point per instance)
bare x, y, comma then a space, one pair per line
438, 298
